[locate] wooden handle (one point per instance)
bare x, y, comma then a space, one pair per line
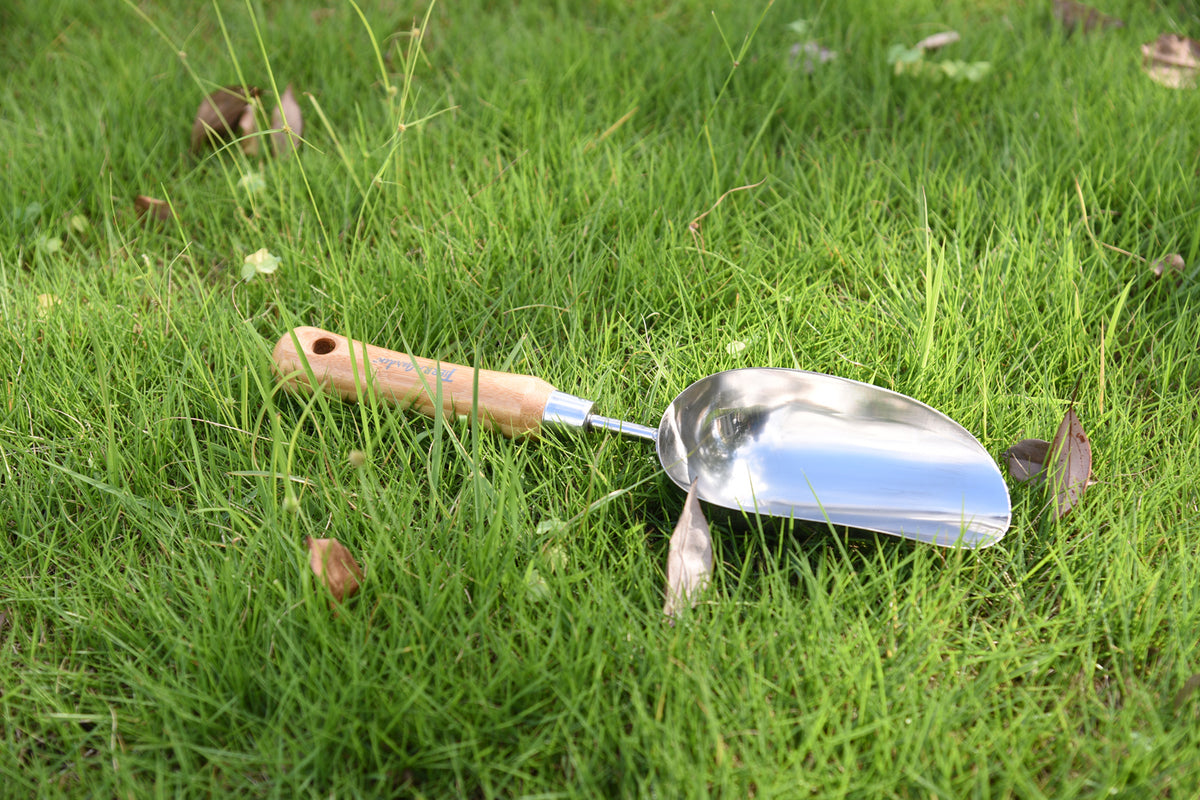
510, 404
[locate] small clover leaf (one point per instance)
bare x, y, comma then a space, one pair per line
260, 262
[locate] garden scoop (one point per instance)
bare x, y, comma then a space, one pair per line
779, 442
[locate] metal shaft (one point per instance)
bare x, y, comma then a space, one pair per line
596, 422
568, 411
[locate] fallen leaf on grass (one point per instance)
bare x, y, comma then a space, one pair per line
220, 114
335, 566
814, 54
47, 303
536, 585
689, 556
260, 262
1172, 60
555, 557
152, 209
548, 527
1189, 686
253, 182
48, 245
247, 127
1065, 464
1171, 265
28, 214
1027, 459
904, 58
937, 41
911, 61
1068, 464
287, 123
800, 27
1072, 15
974, 71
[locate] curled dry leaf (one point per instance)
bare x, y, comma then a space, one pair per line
1171, 265
689, 556
1026, 459
1068, 464
937, 41
335, 566
287, 124
247, 127
1072, 15
151, 208
1172, 60
220, 115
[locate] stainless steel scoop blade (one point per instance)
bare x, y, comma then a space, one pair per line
779, 442
815, 447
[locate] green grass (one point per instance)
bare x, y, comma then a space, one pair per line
161, 630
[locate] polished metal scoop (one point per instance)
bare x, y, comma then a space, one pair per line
815, 447
779, 442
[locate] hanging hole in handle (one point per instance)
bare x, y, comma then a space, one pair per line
323, 347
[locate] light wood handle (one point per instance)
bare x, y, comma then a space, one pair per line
510, 404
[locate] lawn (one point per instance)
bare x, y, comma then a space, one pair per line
620, 198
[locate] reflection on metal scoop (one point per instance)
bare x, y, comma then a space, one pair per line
779, 442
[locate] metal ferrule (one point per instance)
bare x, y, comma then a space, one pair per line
566, 411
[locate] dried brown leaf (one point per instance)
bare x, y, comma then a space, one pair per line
247, 127
219, 114
151, 209
937, 40
335, 566
1171, 266
1189, 686
1172, 60
287, 123
1068, 464
1072, 15
1027, 459
689, 556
